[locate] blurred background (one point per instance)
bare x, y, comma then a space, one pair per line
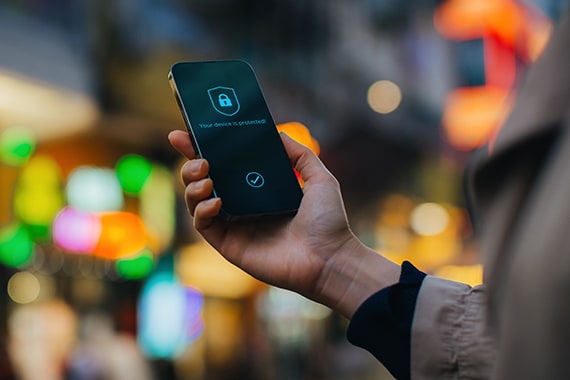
101, 275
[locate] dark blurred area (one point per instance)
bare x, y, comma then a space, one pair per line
101, 275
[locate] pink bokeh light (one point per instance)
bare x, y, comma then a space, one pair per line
76, 231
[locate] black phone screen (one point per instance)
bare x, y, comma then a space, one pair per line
232, 127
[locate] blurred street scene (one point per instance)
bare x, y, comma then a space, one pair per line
101, 274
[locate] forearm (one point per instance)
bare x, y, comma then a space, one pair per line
352, 275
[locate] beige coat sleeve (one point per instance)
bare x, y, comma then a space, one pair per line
449, 332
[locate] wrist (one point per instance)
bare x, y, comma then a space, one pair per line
351, 275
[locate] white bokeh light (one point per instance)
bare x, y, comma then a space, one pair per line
94, 189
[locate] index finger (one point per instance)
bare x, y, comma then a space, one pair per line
181, 142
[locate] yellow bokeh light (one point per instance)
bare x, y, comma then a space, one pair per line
23, 287
36, 207
469, 274
200, 266
41, 171
384, 96
49, 111
38, 196
429, 219
157, 204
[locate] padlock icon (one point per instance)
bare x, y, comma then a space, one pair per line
224, 100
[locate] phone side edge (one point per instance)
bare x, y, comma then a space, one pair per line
184, 114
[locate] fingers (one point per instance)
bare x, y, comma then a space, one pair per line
194, 170
206, 212
198, 186
181, 142
198, 193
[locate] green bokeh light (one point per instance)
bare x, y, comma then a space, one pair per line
135, 268
133, 172
16, 246
16, 145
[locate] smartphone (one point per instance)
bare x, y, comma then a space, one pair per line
231, 126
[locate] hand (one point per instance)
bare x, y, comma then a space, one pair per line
313, 253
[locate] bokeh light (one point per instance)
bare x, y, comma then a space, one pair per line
301, 134
200, 266
473, 114
16, 246
122, 234
282, 303
469, 274
36, 207
41, 170
384, 96
194, 322
429, 219
76, 231
23, 287
464, 19
94, 189
16, 145
38, 196
290, 317
516, 27
133, 172
41, 338
137, 267
157, 205
165, 310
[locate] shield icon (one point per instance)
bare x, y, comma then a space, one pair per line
224, 100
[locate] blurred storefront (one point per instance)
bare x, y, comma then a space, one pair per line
101, 275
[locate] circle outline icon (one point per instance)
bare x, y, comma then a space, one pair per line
255, 180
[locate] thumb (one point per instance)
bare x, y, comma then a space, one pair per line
304, 160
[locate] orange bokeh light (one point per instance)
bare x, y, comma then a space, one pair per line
467, 20
472, 114
517, 26
301, 134
122, 234
508, 29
